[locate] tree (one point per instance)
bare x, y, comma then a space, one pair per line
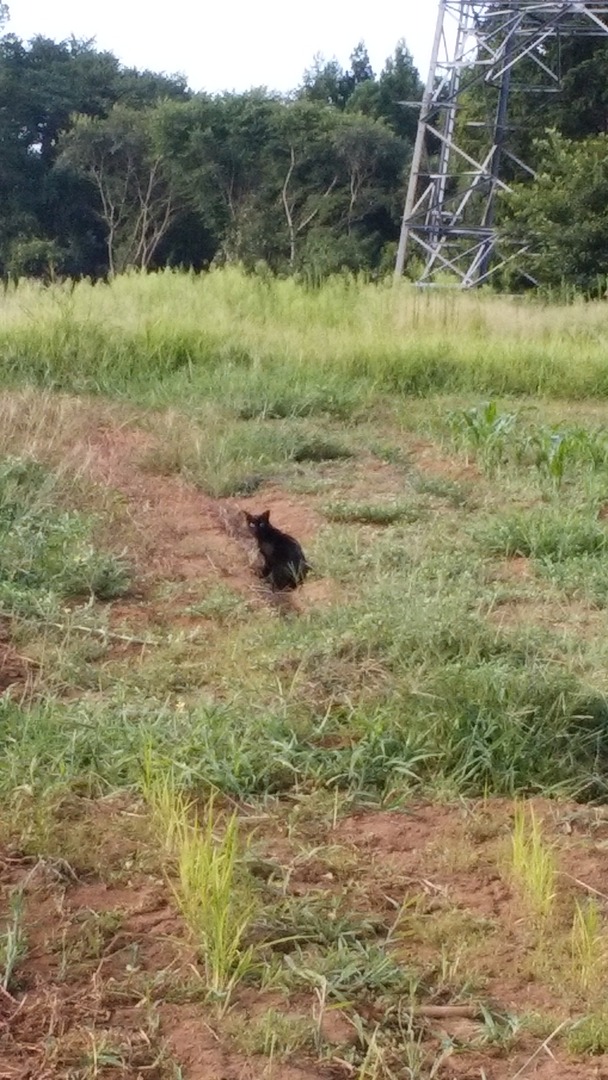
563, 213
103, 167
383, 99
307, 168
360, 66
42, 85
372, 157
138, 192
327, 83
222, 147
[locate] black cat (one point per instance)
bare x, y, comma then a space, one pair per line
285, 565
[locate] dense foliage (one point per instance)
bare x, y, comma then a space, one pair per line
554, 128
104, 167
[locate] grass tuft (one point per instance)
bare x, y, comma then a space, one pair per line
533, 866
212, 887
553, 534
373, 513
588, 945
13, 940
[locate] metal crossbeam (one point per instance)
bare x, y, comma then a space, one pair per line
451, 196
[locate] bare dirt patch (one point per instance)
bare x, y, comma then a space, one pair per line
176, 531
107, 983
78, 994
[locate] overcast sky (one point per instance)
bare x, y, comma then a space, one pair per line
236, 44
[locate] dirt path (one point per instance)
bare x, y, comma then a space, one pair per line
179, 535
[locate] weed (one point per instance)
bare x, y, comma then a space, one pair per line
319, 448
373, 1066
499, 1030
216, 900
45, 552
276, 1033
440, 487
350, 969
579, 577
221, 604
552, 534
540, 1025
95, 930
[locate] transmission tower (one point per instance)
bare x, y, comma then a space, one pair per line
450, 206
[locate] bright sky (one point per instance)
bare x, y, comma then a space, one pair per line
233, 45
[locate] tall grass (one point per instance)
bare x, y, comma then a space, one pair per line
278, 348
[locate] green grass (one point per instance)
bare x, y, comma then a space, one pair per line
46, 551
226, 456
588, 945
13, 941
589, 1035
212, 887
552, 533
373, 513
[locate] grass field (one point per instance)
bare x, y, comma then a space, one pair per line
355, 832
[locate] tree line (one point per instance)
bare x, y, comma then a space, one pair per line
105, 167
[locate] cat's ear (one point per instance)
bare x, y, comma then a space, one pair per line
249, 517
265, 517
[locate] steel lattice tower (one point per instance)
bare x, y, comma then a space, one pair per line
451, 197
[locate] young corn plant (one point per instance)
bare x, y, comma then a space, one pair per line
485, 430
533, 866
553, 451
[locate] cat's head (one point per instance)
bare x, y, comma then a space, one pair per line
258, 524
